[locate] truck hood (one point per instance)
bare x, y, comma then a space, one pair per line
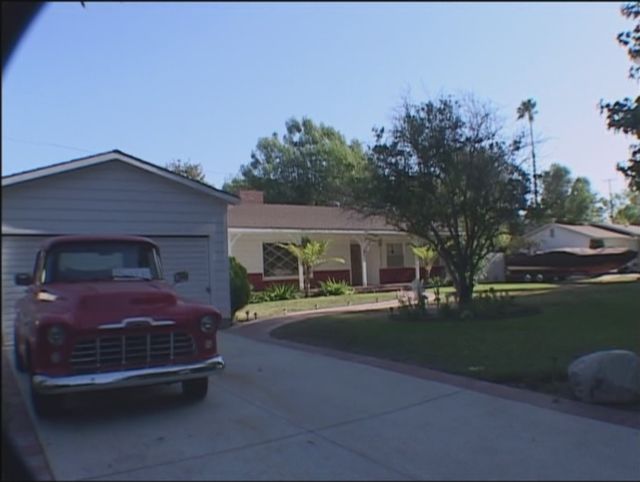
92, 304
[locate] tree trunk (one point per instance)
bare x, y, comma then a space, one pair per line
308, 273
464, 290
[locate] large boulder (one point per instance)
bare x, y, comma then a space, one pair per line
611, 376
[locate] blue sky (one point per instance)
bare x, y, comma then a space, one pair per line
203, 81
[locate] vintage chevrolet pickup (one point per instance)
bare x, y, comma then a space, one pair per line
97, 314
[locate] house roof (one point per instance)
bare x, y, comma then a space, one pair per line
630, 229
584, 229
252, 216
116, 155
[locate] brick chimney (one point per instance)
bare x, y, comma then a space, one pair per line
251, 197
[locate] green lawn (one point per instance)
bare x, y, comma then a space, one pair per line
276, 308
573, 322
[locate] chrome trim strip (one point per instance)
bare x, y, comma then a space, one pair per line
147, 320
127, 378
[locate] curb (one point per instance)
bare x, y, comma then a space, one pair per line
19, 430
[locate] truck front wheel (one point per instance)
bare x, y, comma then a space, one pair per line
195, 389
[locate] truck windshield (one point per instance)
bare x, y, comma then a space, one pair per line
101, 261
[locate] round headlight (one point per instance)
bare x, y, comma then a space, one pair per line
55, 335
207, 324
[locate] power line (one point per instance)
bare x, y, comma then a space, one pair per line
44, 143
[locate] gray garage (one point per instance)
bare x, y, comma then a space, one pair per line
115, 193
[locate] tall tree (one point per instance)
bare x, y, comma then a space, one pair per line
192, 170
582, 204
628, 209
527, 108
624, 115
310, 164
445, 174
556, 187
568, 200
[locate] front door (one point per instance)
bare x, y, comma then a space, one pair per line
356, 265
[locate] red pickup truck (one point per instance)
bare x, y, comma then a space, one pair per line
97, 314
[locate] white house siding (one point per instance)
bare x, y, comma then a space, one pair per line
568, 238
562, 238
247, 248
117, 198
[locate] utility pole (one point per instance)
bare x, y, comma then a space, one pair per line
608, 181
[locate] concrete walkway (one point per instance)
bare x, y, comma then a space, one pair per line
289, 413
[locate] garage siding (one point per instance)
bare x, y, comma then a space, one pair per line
115, 197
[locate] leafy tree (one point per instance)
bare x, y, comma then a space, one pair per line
581, 205
628, 210
556, 187
624, 115
444, 173
311, 164
239, 285
192, 170
310, 254
565, 199
527, 108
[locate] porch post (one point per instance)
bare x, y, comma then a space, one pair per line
417, 265
363, 255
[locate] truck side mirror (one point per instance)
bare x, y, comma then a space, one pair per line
23, 279
180, 277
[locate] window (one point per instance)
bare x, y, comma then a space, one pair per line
277, 261
552, 233
395, 255
100, 261
596, 243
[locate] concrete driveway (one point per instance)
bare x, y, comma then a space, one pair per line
283, 413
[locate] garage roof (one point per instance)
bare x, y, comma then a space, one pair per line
117, 155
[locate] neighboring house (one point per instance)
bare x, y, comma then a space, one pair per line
558, 236
115, 193
626, 229
374, 252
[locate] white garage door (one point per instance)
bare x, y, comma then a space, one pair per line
178, 254
18, 256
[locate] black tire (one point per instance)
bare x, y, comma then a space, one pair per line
19, 361
195, 389
44, 405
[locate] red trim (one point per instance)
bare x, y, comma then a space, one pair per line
406, 275
398, 275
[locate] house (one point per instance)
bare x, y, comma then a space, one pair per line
116, 193
558, 236
628, 230
375, 253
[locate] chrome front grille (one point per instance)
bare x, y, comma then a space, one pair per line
113, 352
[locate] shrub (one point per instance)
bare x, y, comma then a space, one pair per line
332, 287
277, 292
238, 285
408, 311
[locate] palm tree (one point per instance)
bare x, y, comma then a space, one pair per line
528, 108
310, 254
426, 254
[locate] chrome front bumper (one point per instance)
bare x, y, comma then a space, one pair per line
127, 378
